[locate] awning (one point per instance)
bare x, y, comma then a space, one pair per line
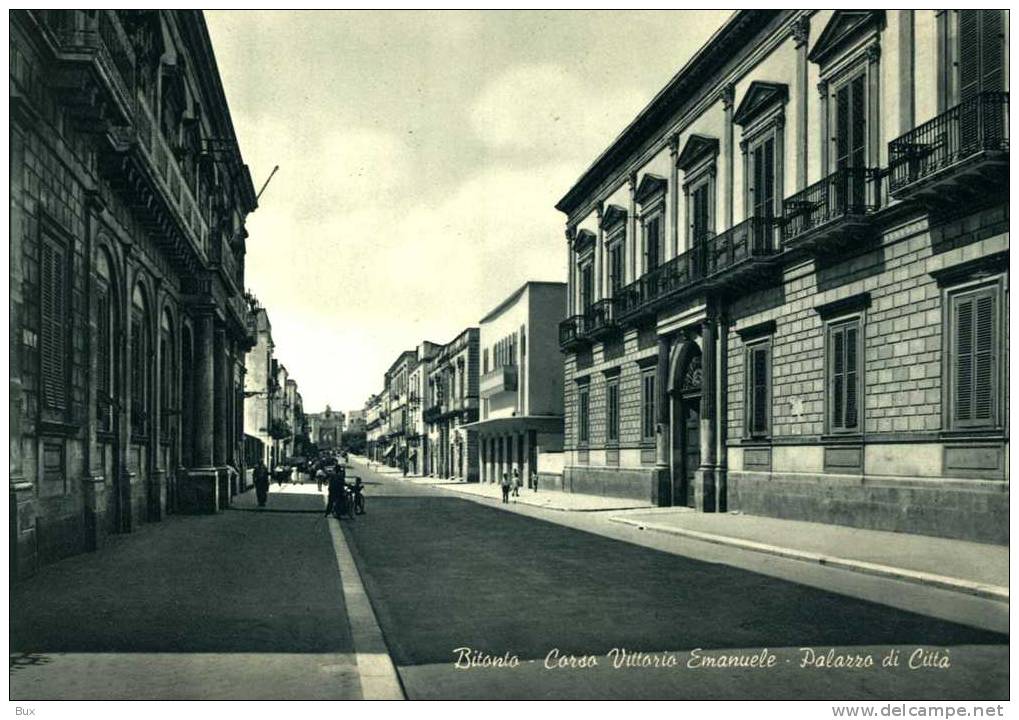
388, 450
518, 423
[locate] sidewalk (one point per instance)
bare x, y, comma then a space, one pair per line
549, 499
957, 565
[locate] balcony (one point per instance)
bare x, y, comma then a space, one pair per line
644, 296
572, 333
742, 253
432, 413
95, 68
833, 211
502, 379
959, 155
601, 319
144, 168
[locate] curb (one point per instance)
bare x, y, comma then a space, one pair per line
375, 668
557, 508
990, 592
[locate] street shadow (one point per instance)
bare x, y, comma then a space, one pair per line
446, 573
251, 582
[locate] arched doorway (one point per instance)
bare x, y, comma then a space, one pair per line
109, 379
686, 421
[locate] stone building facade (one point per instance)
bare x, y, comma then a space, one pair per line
451, 405
789, 278
127, 318
259, 387
325, 429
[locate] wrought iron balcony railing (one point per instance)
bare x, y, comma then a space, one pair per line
601, 318
835, 202
96, 37
572, 332
676, 274
754, 238
971, 128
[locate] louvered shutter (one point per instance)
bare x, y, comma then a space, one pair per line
975, 363
842, 127
964, 360
852, 378
992, 54
53, 342
838, 377
758, 415
969, 54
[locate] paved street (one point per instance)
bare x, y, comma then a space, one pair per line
445, 572
250, 604
242, 605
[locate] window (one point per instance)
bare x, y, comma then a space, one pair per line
851, 123
104, 358
140, 364
981, 52
523, 342
700, 222
974, 353
583, 415
762, 174
758, 389
648, 406
586, 286
615, 266
845, 375
612, 411
484, 361
53, 324
652, 242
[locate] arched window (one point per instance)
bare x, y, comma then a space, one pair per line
105, 324
167, 377
141, 355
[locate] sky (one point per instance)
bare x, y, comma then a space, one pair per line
420, 155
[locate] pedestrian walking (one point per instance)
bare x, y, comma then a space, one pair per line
261, 483
320, 477
337, 487
505, 487
516, 482
534, 480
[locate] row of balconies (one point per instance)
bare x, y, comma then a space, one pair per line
449, 408
955, 157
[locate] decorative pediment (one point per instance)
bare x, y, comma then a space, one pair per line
697, 148
844, 27
613, 215
649, 187
760, 96
583, 240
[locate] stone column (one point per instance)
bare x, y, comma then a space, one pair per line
907, 77
599, 263
156, 471
727, 97
221, 387
674, 194
122, 428
800, 33
571, 267
663, 475
93, 482
822, 91
706, 491
722, 432
200, 494
632, 273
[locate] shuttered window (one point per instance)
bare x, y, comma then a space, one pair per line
652, 243
762, 191
758, 413
974, 338
615, 267
586, 286
53, 325
844, 376
612, 411
981, 52
583, 415
851, 124
648, 406
699, 223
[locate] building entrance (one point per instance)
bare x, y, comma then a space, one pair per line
686, 430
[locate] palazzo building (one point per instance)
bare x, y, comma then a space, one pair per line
788, 286
127, 316
451, 406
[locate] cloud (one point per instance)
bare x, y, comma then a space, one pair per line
547, 108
